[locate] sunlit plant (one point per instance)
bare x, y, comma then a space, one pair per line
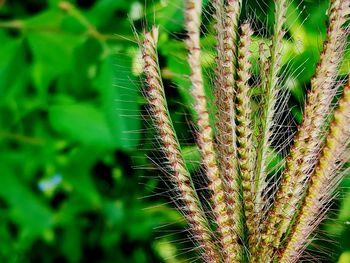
256, 214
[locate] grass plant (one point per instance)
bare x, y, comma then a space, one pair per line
252, 222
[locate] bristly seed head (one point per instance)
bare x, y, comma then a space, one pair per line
235, 153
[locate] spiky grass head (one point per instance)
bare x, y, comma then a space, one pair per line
253, 223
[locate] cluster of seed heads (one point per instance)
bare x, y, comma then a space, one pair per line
250, 221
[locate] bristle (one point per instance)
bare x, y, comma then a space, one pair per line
181, 177
308, 140
205, 132
323, 180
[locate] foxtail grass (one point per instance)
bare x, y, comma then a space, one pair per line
250, 222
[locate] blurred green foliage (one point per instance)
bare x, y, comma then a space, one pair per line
71, 129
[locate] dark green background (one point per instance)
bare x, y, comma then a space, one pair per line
74, 147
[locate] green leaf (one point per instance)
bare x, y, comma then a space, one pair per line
104, 10
12, 67
275, 162
71, 246
81, 122
25, 208
48, 19
77, 173
52, 57
120, 101
192, 157
345, 65
345, 257
54, 3
180, 69
51, 47
344, 214
86, 58
169, 14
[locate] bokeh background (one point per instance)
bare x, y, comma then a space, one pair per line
77, 180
